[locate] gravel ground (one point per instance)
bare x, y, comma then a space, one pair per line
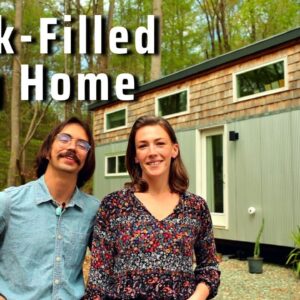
275, 283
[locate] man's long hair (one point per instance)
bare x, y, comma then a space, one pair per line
178, 177
41, 162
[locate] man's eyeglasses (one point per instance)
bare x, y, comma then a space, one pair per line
65, 139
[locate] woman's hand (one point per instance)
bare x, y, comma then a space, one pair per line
201, 292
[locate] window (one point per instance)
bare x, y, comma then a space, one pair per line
266, 79
172, 104
214, 173
115, 165
116, 119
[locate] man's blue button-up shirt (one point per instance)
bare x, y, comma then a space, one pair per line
41, 253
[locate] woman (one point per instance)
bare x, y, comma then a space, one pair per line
145, 234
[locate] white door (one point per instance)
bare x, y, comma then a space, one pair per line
213, 174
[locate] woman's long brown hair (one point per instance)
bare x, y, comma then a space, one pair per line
178, 177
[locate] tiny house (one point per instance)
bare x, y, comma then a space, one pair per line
237, 119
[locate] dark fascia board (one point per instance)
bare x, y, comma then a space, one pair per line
210, 64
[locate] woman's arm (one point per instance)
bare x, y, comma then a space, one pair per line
207, 271
100, 275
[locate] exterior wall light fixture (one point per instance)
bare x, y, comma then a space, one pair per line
233, 136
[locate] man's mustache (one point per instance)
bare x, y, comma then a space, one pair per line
72, 154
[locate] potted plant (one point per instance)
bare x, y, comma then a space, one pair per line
255, 263
294, 255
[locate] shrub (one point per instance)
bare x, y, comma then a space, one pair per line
294, 255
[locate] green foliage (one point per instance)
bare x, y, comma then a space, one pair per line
256, 252
294, 255
4, 159
185, 41
30, 153
4, 148
131, 14
182, 36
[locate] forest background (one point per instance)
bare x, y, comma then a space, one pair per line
190, 31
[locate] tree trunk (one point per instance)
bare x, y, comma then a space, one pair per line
100, 11
77, 64
68, 62
12, 178
91, 55
220, 43
38, 115
222, 19
253, 25
210, 19
105, 58
156, 59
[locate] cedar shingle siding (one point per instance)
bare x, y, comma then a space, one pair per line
211, 98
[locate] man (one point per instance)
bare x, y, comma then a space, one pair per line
46, 224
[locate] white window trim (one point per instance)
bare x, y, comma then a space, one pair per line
220, 220
284, 88
106, 165
173, 93
113, 111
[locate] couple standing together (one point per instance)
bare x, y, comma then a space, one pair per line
142, 237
